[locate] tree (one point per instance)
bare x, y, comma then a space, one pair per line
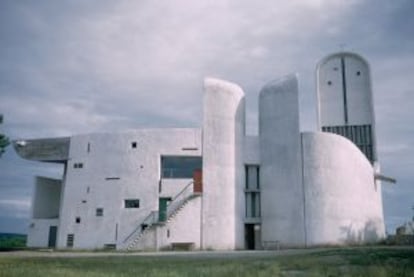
4, 141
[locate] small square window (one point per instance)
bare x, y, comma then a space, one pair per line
131, 203
99, 212
78, 165
134, 144
78, 220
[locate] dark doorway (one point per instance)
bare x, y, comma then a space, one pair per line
249, 236
52, 236
162, 208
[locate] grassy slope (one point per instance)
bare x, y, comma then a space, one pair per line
335, 262
8, 241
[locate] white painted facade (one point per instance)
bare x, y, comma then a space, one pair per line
282, 188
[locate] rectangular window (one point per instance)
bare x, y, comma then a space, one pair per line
78, 220
134, 144
70, 239
99, 212
252, 191
179, 166
131, 203
360, 135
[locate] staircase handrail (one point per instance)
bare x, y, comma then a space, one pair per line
179, 198
152, 215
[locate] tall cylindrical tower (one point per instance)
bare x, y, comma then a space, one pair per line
223, 133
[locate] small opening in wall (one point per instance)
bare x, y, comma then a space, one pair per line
131, 203
329, 83
89, 147
168, 233
78, 165
69, 240
88, 190
134, 144
335, 69
83, 201
78, 220
358, 73
99, 212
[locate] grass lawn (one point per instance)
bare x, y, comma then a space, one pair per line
364, 262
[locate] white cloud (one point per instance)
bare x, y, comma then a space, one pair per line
19, 208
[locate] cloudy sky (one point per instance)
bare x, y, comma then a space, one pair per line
70, 67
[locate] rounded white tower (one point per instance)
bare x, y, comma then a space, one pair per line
223, 132
345, 104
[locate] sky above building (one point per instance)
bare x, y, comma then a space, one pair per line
70, 67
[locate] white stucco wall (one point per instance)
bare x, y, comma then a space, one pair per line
342, 202
184, 227
46, 198
251, 151
38, 233
280, 172
223, 133
138, 170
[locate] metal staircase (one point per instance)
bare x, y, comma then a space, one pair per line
152, 221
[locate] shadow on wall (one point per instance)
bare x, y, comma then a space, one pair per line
356, 234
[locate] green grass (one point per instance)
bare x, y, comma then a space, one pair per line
364, 262
10, 241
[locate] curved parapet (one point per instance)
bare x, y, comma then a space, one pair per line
342, 201
44, 150
280, 168
223, 132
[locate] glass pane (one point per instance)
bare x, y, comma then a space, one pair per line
179, 166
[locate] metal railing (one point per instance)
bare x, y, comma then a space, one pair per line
180, 198
176, 202
149, 220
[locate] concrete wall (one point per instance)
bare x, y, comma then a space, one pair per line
251, 151
111, 172
280, 172
46, 198
184, 227
223, 197
38, 234
342, 202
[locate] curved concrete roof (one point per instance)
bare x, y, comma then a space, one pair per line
44, 150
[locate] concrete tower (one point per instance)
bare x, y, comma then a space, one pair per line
280, 172
223, 196
345, 104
